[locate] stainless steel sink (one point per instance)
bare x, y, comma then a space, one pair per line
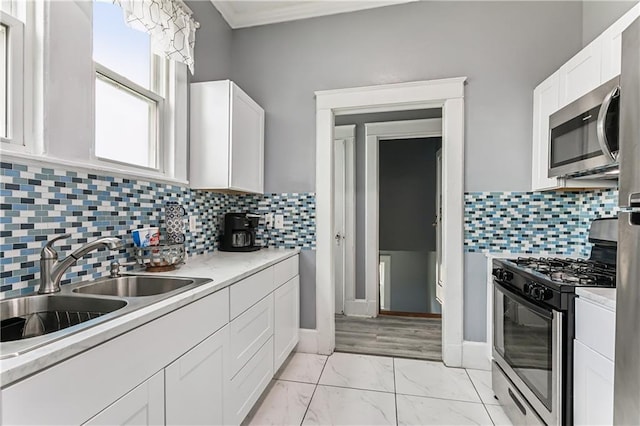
134, 286
29, 322
33, 316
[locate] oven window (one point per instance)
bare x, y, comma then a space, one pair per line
528, 347
575, 140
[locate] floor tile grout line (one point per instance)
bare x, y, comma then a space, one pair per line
395, 390
314, 390
480, 396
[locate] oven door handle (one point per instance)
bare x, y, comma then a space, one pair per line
546, 313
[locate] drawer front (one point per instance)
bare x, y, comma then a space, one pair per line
595, 327
247, 292
247, 386
285, 270
143, 351
250, 331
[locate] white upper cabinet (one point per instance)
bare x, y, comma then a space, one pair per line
545, 101
227, 139
594, 65
612, 43
580, 74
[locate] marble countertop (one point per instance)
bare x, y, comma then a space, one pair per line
605, 297
224, 268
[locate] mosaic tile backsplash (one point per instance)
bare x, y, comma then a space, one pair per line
39, 202
550, 223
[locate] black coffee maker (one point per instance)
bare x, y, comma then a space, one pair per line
239, 232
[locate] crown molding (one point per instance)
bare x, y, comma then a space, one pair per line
297, 10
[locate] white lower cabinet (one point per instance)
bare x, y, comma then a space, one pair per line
593, 366
592, 387
144, 405
206, 363
195, 383
287, 320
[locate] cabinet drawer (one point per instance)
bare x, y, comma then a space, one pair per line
250, 331
247, 292
285, 270
247, 386
595, 327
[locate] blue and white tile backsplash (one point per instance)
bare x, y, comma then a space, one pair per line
39, 202
553, 223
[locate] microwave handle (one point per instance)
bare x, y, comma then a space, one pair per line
602, 116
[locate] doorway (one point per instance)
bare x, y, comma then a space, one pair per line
407, 227
446, 94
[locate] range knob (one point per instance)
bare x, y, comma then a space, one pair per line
506, 275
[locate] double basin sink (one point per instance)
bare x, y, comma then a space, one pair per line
29, 322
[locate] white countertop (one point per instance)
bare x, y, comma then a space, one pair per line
602, 296
224, 268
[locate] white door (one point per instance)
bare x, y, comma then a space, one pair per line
339, 227
438, 224
196, 383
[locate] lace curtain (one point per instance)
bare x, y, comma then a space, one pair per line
171, 28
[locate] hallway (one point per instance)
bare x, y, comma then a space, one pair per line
406, 337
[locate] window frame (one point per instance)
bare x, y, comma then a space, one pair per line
15, 83
156, 127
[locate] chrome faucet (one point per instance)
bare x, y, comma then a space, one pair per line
51, 270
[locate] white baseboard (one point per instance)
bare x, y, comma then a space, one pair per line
476, 355
452, 355
308, 341
360, 308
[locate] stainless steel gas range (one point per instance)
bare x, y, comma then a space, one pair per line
533, 328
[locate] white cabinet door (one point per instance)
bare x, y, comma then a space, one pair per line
247, 143
144, 405
545, 103
196, 383
612, 44
581, 74
592, 387
287, 320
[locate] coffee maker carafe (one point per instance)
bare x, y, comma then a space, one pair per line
239, 232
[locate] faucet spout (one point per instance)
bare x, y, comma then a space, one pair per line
52, 270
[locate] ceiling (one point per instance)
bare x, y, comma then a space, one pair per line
245, 13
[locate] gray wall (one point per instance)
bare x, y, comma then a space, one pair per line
504, 48
213, 43
360, 120
599, 15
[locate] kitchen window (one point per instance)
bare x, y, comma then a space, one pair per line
130, 87
12, 29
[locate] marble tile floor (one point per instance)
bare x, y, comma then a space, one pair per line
353, 389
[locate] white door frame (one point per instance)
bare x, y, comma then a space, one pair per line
347, 134
447, 94
374, 132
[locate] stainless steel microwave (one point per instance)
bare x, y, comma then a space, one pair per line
583, 136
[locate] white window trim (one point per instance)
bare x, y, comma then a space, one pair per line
156, 124
15, 83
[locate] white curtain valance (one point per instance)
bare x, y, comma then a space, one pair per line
172, 30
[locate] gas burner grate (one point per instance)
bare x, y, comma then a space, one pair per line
577, 272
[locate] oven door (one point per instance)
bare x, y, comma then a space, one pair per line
527, 346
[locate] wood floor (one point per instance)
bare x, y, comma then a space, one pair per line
391, 336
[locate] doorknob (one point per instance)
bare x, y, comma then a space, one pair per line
338, 237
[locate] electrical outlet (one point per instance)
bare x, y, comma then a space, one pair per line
268, 220
193, 224
279, 223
